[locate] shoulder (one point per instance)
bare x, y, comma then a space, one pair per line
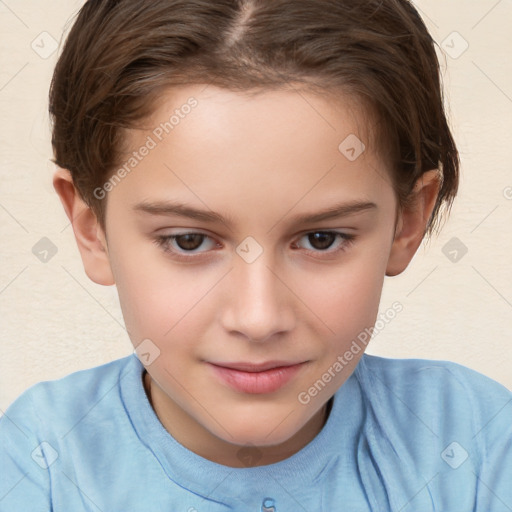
440, 427
442, 398
68, 398
92, 381
60, 426
426, 378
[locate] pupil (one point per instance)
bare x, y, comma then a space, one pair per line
189, 242
321, 240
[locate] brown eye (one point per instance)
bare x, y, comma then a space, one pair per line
183, 243
321, 240
189, 241
324, 243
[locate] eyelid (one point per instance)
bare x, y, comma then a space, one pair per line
163, 241
347, 240
172, 236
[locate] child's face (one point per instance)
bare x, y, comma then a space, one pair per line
259, 163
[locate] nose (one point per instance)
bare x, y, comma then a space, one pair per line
259, 305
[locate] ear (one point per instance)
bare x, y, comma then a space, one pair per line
90, 238
412, 222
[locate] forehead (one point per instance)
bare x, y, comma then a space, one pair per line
242, 140
326, 113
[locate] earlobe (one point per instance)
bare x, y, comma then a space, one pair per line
413, 221
89, 236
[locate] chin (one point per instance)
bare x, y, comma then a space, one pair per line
250, 432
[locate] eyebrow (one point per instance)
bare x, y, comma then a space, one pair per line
172, 208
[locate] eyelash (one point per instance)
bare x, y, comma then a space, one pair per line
163, 241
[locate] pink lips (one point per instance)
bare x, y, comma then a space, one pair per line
256, 378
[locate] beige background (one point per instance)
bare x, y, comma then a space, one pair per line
54, 320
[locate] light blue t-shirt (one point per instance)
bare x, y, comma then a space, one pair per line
402, 435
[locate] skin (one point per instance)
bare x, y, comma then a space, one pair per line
259, 161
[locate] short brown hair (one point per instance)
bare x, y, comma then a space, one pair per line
120, 54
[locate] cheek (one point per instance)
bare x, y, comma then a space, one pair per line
159, 299
347, 302
346, 297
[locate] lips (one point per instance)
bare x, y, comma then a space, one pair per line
266, 377
256, 367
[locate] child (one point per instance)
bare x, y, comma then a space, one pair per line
247, 173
